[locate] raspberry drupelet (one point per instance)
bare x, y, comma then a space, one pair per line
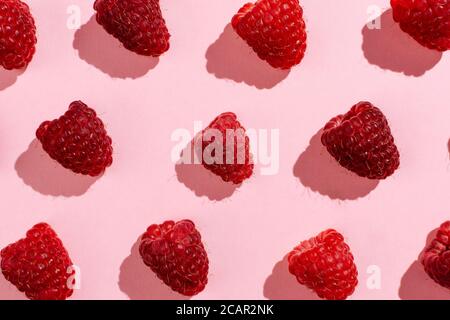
77, 140
230, 157
361, 141
325, 264
39, 265
427, 21
137, 24
274, 29
175, 253
17, 34
436, 258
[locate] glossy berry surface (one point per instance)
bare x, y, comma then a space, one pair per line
427, 21
275, 30
226, 149
175, 252
39, 265
138, 24
325, 264
77, 140
17, 34
361, 141
436, 258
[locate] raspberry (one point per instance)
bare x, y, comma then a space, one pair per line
38, 265
175, 252
226, 149
138, 24
427, 21
325, 264
17, 34
436, 258
274, 29
361, 141
77, 140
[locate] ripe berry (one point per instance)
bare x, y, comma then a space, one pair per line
225, 149
325, 264
77, 140
436, 258
175, 253
17, 34
39, 265
427, 21
361, 141
274, 29
138, 24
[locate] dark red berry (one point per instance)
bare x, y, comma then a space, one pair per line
175, 253
226, 149
275, 29
361, 141
39, 265
17, 34
138, 24
325, 264
77, 140
427, 21
436, 258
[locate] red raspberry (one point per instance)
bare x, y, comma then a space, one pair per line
325, 264
38, 265
229, 157
436, 258
427, 21
77, 140
17, 34
361, 141
138, 24
274, 29
175, 252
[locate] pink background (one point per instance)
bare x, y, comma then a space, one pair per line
247, 231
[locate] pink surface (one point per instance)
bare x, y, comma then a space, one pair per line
246, 231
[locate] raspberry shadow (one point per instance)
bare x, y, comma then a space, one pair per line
229, 57
320, 172
200, 180
392, 49
139, 282
48, 177
281, 285
9, 291
106, 53
9, 77
417, 285
448, 147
